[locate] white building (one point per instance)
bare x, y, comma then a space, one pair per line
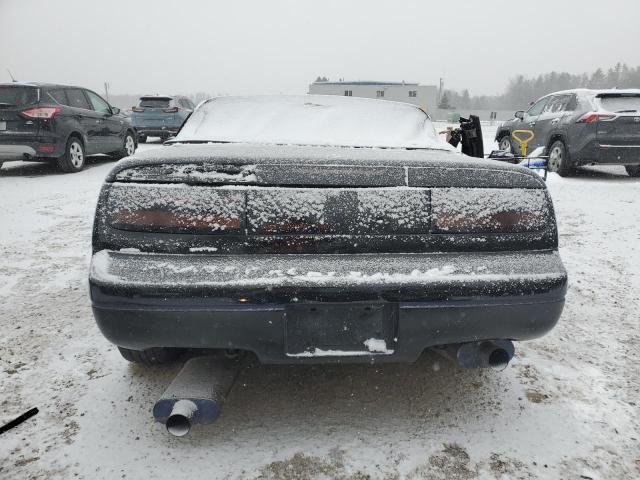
424, 96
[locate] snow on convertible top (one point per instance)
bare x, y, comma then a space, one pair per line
325, 120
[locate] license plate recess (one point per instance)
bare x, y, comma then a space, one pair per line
340, 327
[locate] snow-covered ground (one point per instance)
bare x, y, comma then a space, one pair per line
567, 406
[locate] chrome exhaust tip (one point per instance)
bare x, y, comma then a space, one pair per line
179, 422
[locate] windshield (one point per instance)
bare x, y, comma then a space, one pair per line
311, 120
155, 102
620, 103
17, 96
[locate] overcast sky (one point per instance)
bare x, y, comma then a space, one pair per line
280, 46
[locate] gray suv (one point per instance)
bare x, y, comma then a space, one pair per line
581, 127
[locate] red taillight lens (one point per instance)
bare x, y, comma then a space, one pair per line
171, 110
592, 117
489, 210
46, 148
176, 209
137, 109
40, 112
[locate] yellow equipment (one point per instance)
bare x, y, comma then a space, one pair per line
523, 141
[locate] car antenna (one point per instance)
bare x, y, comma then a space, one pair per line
12, 79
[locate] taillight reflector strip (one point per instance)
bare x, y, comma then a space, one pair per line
489, 210
593, 117
40, 112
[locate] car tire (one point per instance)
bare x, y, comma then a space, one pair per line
142, 139
559, 159
128, 147
151, 356
74, 157
505, 144
632, 170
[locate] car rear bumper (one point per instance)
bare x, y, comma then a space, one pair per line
610, 154
261, 303
16, 152
157, 131
13, 149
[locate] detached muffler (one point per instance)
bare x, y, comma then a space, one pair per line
197, 394
494, 354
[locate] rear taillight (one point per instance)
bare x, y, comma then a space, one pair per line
489, 210
175, 209
137, 109
40, 112
171, 110
593, 117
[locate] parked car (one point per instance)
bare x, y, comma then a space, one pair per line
60, 123
321, 228
581, 127
160, 115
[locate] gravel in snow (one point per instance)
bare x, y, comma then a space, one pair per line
567, 407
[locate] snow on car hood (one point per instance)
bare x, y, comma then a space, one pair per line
311, 120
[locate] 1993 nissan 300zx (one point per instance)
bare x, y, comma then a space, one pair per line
322, 229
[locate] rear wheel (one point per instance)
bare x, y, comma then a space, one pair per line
632, 170
505, 144
559, 159
73, 159
142, 139
151, 356
128, 147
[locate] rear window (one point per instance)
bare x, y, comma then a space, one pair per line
620, 103
155, 102
329, 120
16, 96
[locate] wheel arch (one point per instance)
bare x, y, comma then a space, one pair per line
554, 137
502, 132
77, 134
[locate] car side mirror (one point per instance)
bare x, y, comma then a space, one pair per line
520, 114
115, 110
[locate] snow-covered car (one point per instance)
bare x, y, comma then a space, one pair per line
321, 228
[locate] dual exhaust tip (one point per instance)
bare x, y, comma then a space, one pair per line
197, 394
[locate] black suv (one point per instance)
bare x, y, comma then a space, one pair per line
581, 127
46, 122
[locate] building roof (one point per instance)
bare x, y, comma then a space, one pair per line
368, 83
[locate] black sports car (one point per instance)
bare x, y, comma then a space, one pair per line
320, 228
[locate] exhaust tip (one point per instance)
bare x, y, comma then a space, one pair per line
178, 425
499, 359
179, 422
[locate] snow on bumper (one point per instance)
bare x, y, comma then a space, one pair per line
241, 301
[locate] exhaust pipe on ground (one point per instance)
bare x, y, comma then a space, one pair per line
494, 354
197, 394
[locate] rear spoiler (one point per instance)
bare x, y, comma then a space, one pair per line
617, 94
